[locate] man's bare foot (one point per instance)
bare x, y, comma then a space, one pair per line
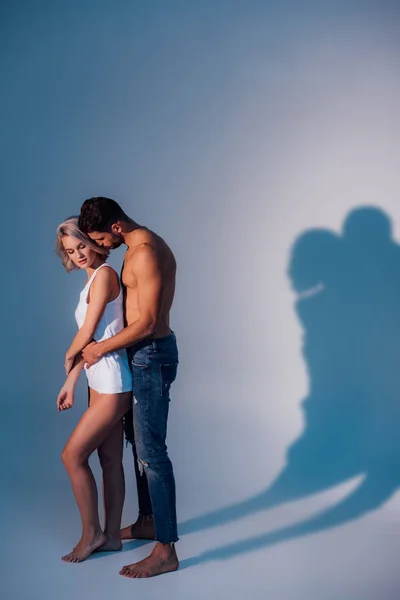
112, 544
85, 548
163, 559
143, 529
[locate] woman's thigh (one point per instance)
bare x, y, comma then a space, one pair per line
96, 424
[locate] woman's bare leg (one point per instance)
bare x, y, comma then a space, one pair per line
110, 454
104, 412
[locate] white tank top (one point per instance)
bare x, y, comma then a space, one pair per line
111, 374
112, 319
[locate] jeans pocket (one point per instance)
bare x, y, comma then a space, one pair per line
139, 359
168, 373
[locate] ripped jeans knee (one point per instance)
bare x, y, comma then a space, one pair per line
159, 464
142, 464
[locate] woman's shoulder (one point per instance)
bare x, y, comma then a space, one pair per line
106, 274
106, 267
105, 283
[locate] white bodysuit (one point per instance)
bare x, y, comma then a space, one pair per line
111, 374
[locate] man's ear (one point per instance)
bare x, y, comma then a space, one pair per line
116, 227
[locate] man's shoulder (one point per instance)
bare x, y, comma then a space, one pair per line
142, 249
140, 254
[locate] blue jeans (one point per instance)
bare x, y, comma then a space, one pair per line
154, 364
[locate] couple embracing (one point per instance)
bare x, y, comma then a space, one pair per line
129, 354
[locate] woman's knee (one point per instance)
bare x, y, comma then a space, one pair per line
72, 458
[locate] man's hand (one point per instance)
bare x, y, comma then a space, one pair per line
65, 398
91, 354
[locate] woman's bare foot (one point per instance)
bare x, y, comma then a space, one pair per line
143, 529
85, 548
163, 559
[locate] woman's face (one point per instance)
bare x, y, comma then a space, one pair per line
82, 256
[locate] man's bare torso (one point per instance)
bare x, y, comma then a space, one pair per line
167, 265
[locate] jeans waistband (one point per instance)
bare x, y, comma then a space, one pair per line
152, 343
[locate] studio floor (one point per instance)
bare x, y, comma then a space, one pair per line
257, 557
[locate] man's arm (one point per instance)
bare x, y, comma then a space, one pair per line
146, 269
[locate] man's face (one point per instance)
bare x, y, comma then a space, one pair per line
107, 240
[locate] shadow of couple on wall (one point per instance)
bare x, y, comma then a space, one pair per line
348, 303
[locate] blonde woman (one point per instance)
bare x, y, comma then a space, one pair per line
99, 315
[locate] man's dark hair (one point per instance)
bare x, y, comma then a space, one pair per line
98, 214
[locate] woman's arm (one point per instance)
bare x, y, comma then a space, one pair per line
100, 293
65, 398
75, 371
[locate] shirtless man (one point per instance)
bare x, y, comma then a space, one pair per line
148, 276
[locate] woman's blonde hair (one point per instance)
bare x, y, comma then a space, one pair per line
70, 227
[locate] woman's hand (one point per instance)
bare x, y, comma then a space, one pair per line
65, 398
68, 364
